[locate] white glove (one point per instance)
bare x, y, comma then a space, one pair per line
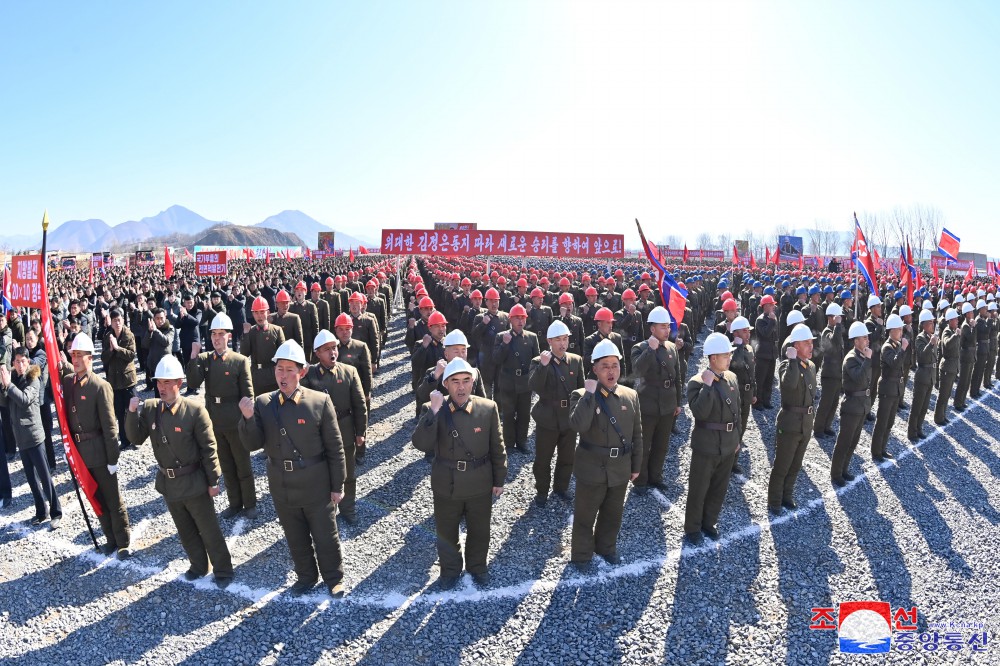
112, 469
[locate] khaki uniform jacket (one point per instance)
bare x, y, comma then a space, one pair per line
891, 382
798, 390
227, 381
479, 444
658, 378
343, 384
926, 360
366, 331
323, 312
483, 334
180, 436
596, 430
90, 409
831, 342
260, 346
950, 350
119, 364
332, 299
715, 404
744, 366
514, 360
857, 377
291, 324
310, 421
591, 341
309, 316
968, 333
554, 385
355, 354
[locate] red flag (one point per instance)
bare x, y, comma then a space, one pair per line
168, 264
701, 253
878, 259
83, 476
687, 257
777, 256
91, 278
767, 256
971, 275
736, 256
187, 254
362, 250
802, 261
267, 256
934, 270
350, 257
753, 262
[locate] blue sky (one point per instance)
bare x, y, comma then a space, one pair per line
516, 115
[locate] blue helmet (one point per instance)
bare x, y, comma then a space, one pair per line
898, 295
769, 291
799, 291
813, 290
846, 294
723, 284
785, 284
827, 289
757, 285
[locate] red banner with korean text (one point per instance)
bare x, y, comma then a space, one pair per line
26, 281
502, 243
211, 263
943, 263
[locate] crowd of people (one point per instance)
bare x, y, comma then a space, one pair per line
286, 355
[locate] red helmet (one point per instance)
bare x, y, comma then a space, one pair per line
466, 282
604, 314
565, 298
301, 285
628, 294
644, 276
344, 319
476, 294
522, 283
643, 288
518, 311
492, 294
260, 304
767, 300
371, 284
590, 291
501, 281
315, 287
563, 282
356, 296
329, 282
726, 295
729, 305
436, 318
283, 297
537, 293
585, 276
425, 302
544, 281
619, 273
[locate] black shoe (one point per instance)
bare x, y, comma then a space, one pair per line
849, 477
840, 483
230, 512
738, 469
586, 567
447, 583
975, 396
350, 518
941, 423
611, 558
250, 513
541, 500
693, 539
757, 406
913, 438
36, 521
870, 418
711, 532
878, 459
563, 495
887, 456
523, 448
768, 405
959, 408
902, 407
191, 575
659, 485
222, 582
790, 505
300, 587
481, 580
774, 511
124, 553
337, 590
107, 549
829, 433
359, 456
640, 490
921, 435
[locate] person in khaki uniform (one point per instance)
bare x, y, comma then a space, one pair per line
926, 346
226, 376
308, 315
118, 356
180, 433
797, 384
343, 384
94, 429
967, 358
948, 364
290, 323
714, 398
831, 341
657, 369
890, 386
456, 345
856, 386
297, 428
259, 343
513, 350
321, 305
470, 469
365, 328
744, 365
994, 326
608, 456
356, 354
554, 375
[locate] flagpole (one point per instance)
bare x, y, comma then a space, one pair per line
45, 295
854, 260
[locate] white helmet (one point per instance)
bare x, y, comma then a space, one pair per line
456, 337
290, 350
991, 306
967, 308
874, 300
943, 304
858, 329
740, 324
800, 333
457, 366
834, 310
952, 313
221, 322
926, 315
717, 343
905, 310
959, 299
324, 337
990, 297
927, 305
557, 329
604, 348
658, 315
980, 304
894, 321
795, 317
169, 368
980, 293
82, 343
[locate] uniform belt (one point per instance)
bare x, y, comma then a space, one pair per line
561, 404
216, 400
86, 436
292, 465
799, 410
857, 394
746, 387
174, 472
613, 452
721, 427
462, 465
344, 414
517, 373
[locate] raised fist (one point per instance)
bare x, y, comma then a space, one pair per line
545, 357
654, 343
708, 377
867, 352
411, 322
246, 407
486, 319
590, 385
133, 404
906, 343
792, 353
437, 399
426, 340
679, 343
439, 368
507, 337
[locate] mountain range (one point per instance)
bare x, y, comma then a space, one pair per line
95, 235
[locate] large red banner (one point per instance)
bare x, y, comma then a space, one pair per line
25, 289
502, 243
942, 263
212, 263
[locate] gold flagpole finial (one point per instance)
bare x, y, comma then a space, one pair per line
45, 220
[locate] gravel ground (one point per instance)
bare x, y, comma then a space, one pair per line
918, 531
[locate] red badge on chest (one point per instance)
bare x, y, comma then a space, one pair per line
340, 381
83, 397
302, 421
477, 430
624, 408
227, 373
177, 429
